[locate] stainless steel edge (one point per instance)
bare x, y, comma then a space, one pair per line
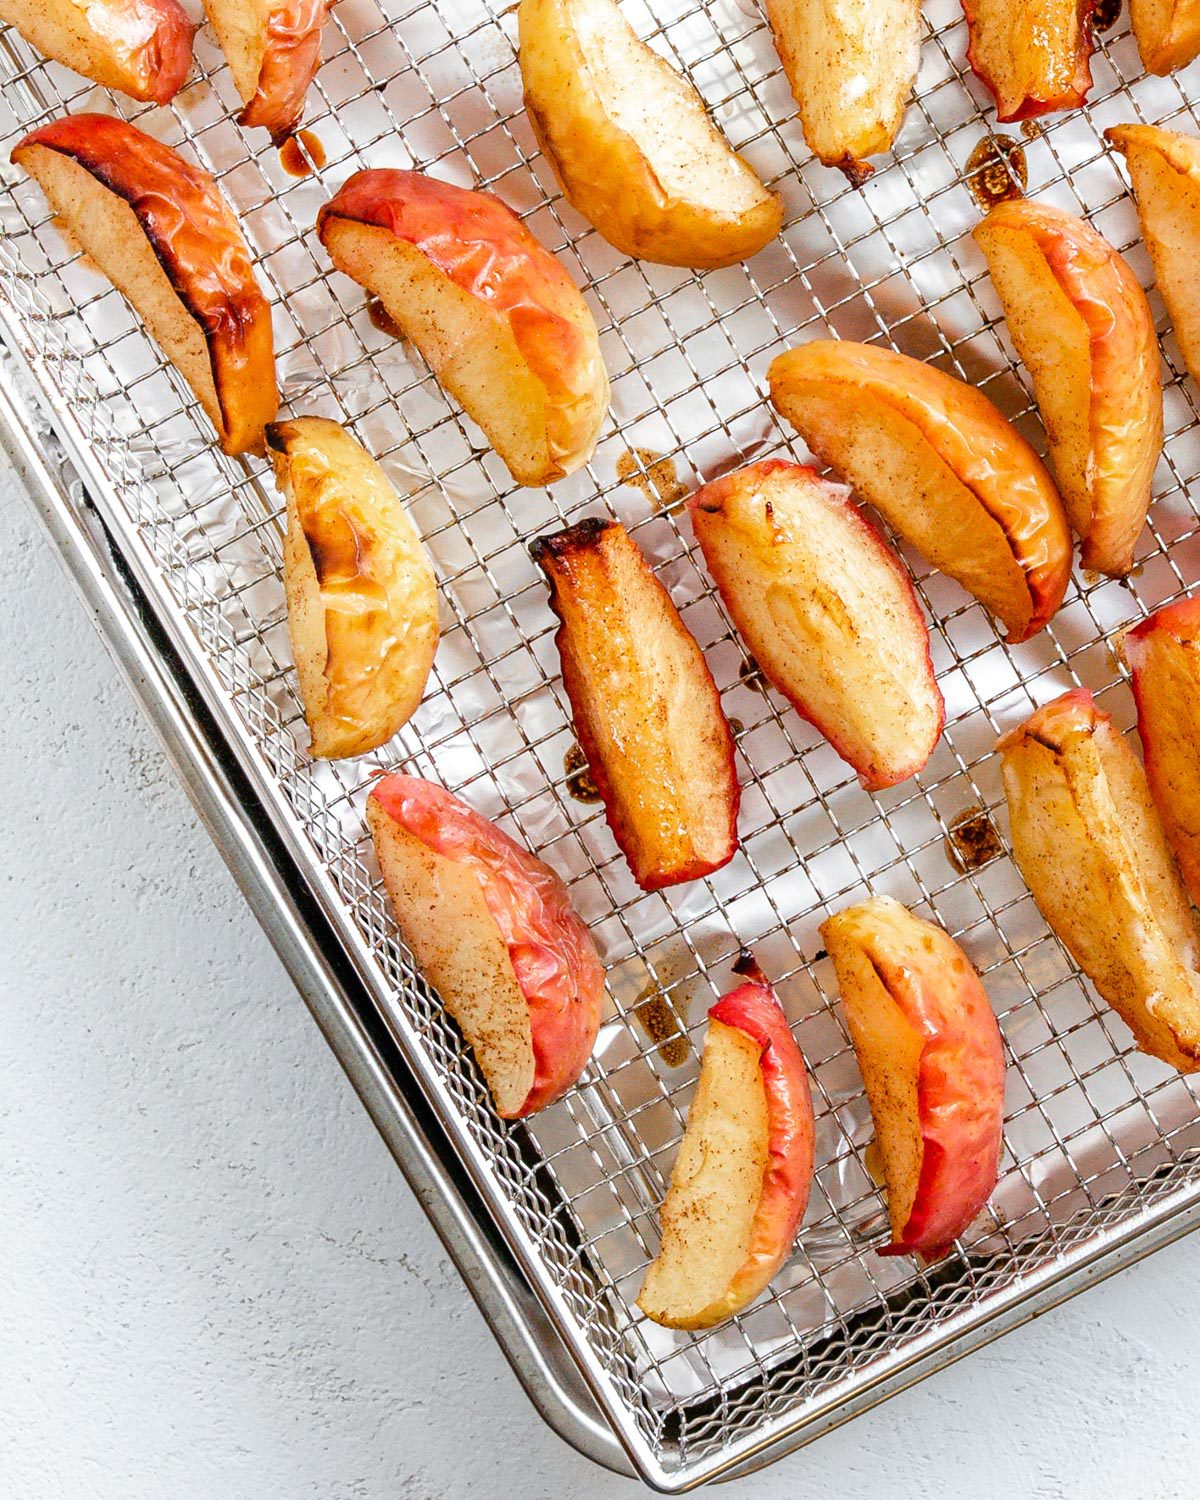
124, 620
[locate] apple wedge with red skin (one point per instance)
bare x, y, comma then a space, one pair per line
1167, 32
826, 610
941, 464
495, 934
161, 232
142, 48
273, 48
1163, 656
742, 1177
1084, 330
502, 325
932, 1059
1035, 56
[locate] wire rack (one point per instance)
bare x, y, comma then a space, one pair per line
1096, 1134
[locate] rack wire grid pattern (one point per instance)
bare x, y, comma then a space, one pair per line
1095, 1132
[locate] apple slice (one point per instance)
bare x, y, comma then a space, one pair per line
741, 1180
1164, 168
142, 48
1167, 32
161, 232
632, 144
827, 612
1083, 327
646, 708
932, 1060
1163, 656
949, 473
500, 322
273, 48
362, 597
494, 932
1087, 841
851, 65
1034, 55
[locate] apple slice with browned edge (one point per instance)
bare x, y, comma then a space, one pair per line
1086, 839
1034, 55
142, 48
632, 143
932, 1060
646, 708
826, 610
946, 470
273, 48
494, 933
1163, 656
362, 597
1167, 32
740, 1183
1082, 326
851, 65
502, 325
161, 232
1164, 168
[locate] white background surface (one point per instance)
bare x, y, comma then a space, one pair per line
215, 1285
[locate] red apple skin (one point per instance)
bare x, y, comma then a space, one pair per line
289, 65
552, 953
787, 1180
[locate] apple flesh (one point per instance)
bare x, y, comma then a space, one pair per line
932, 1061
142, 48
1034, 55
161, 232
1086, 839
500, 322
941, 464
647, 712
827, 612
273, 48
1167, 32
1083, 327
494, 932
362, 597
742, 1177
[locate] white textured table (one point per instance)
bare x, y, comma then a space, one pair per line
214, 1285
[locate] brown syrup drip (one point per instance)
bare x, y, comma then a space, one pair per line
579, 779
996, 171
653, 474
972, 841
292, 155
659, 1019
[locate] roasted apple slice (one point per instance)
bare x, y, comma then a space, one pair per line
502, 325
932, 1060
741, 1181
1034, 55
851, 65
273, 48
827, 612
1164, 168
142, 48
646, 708
632, 143
1167, 32
1163, 656
362, 597
940, 462
161, 232
495, 934
1087, 841
1084, 329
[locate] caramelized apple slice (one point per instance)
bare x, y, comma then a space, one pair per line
1034, 55
142, 48
646, 708
161, 232
1163, 656
1091, 850
741, 1181
495, 934
940, 462
362, 598
273, 48
502, 325
1084, 329
827, 612
933, 1064
1167, 32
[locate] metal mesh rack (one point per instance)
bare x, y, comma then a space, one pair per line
1099, 1139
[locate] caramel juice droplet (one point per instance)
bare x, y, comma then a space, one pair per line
653, 474
293, 158
996, 171
659, 1019
1105, 15
382, 319
579, 779
972, 841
